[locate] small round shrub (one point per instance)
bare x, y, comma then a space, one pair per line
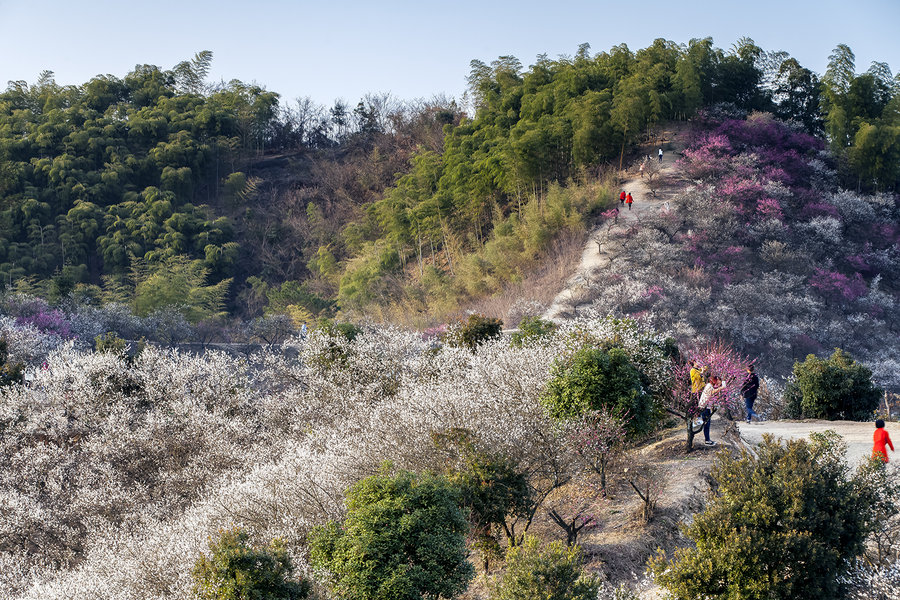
404, 537
474, 332
593, 379
348, 330
835, 388
235, 570
552, 572
110, 342
532, 328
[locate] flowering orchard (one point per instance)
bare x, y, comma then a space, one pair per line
117, 470
765, 251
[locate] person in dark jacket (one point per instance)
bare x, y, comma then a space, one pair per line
749, 391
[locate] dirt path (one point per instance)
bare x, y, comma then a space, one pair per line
857, 435
671, 140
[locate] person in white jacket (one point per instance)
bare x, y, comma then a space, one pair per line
707, 396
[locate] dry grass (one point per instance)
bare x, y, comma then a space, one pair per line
539, 287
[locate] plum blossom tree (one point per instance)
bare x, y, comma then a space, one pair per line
720, 360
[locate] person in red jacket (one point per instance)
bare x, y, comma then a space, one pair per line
622, 197
629, 200
882, 439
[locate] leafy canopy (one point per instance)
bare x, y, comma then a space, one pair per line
403, 539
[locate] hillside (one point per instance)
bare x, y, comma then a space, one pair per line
392, 210
158, 209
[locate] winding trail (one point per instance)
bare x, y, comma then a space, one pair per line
671, 140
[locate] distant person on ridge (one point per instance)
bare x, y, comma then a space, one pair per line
622, 197
660, 155
749, 391
882, 440
629, 200
711, 390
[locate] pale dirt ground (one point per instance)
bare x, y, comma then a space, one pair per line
857, 435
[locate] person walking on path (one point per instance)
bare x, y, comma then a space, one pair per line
882, 440
660, 155
622, 197
749, 391
709, 393
643, 162
629, 200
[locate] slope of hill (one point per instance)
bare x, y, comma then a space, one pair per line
763, 250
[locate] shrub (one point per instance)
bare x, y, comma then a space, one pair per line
109, 342
785, 523
348, 330
403, 538
237, 571
592, 379
491, 488
532, 328
474, 332
10, 372
836, 388
552, 572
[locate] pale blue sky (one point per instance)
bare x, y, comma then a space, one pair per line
329, 50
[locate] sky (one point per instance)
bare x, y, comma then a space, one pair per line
408, 49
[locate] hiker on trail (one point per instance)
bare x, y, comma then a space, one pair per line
712, 389
622, 197
749, 391
642, 168
629, 200
660, 155
882, 439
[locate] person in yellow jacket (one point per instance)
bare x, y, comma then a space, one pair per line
696, 378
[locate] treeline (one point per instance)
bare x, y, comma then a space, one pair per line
474, 217
410, 205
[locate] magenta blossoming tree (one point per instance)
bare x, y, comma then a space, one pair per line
719, 359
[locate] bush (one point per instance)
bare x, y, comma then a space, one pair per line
836, 388
110, 342
403, 538
786, 523
237, 571
592, 379
491, 488
474, 332
552, 572
348, 330
532, 328
10, 372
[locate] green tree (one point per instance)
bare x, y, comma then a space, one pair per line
235, 570
593, 378
835, 388
552, 572
492, 489
474, 331
177, 282
532, 328
785, 523
403, 539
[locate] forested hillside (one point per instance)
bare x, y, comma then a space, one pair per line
387, 208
